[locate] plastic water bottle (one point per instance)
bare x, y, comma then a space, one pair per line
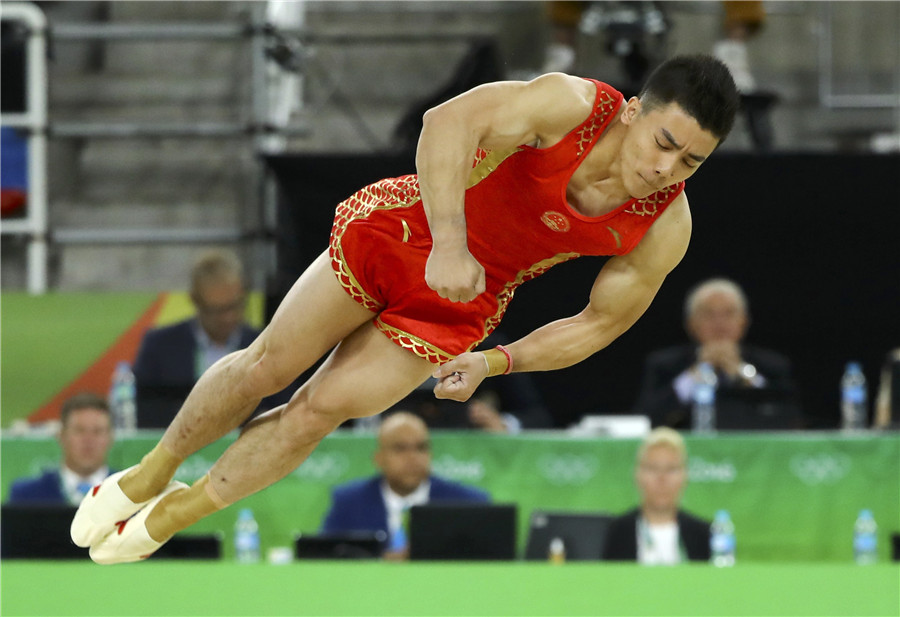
722, 541
557, 551
865, 539
854, 414
122, 399
246, 537
704, 399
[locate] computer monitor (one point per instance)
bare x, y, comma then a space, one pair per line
349, 545
32, 531
462, 531
766, 408
583, 534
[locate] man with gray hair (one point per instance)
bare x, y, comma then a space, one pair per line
716, 317
172, 358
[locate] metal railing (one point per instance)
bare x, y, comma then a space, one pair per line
34, 122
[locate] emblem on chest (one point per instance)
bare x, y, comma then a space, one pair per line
555, 221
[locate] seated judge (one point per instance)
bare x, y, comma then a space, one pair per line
658, 531
403, 458
716, 317
85, 437
172, 358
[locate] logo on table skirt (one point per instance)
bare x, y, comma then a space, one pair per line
701, 470
457, 469
567, 469
323, 467
555, 221
813, 469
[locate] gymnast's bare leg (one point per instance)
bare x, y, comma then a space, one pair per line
316, 314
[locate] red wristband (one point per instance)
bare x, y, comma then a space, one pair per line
508, 359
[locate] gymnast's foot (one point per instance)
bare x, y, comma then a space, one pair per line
130, 540
100, 510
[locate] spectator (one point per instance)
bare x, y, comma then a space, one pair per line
505, 405
887, 403
172, 358
716, 318
85, 437
743, 20
659, 532
405, 480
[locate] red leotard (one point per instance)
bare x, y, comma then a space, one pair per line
519, 224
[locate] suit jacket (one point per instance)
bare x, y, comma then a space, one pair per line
621, 537
44, 489
658, 400
359, 505
164, 372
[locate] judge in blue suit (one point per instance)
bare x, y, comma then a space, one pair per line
85, 438
380, 502
171, 359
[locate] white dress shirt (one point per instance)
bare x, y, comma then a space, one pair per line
397, 505
71, 482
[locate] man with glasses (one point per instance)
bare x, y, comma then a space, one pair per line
380, 503
171, 359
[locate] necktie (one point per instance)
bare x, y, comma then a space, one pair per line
83, 488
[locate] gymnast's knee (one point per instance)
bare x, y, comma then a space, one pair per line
313, 416
264, 373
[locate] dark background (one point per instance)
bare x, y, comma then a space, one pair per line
812, 238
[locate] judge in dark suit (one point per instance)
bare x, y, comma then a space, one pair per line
85, 437
716, 318
171, 359
380, 503
659, 532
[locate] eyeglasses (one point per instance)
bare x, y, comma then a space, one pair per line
222, 309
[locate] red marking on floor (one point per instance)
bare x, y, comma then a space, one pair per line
97, 377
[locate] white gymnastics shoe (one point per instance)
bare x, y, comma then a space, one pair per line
102, 507
131, 541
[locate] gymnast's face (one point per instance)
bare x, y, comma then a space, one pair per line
661, 147
404, 453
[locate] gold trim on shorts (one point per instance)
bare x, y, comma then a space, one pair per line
506, 295
383, 195
418, 346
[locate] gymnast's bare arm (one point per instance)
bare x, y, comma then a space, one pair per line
493, 116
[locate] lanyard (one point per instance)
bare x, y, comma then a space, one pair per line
645, 539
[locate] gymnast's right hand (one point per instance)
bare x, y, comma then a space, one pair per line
454, 274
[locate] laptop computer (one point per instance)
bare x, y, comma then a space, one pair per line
34, 531
583, 534
462, 531
350, 545
766, 408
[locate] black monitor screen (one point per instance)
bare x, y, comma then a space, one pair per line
462, 531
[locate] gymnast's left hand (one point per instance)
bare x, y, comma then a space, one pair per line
459, 378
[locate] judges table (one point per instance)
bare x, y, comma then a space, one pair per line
793, 497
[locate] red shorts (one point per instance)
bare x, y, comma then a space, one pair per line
380, 242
